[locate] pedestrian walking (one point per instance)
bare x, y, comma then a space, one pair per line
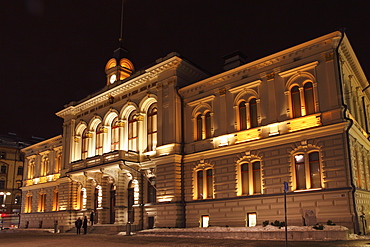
84, 224
78, 225
92, 218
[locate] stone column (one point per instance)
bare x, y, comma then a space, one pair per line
121, 199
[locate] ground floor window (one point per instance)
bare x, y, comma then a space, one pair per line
251, 219
204, 221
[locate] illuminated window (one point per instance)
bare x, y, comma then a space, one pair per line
251, 219
82, 199
44, 166
307, 171
115, 135
42, 202
28, 205
248, 116
204, 221
85, 144
251, 178
58, 163
99, 140
203, 126
204, 184
56, 200
152, 127
31, 169
17, 200
296, 102
132, 132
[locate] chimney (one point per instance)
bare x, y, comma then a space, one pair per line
233, 60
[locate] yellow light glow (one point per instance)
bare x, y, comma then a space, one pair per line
165, 198
304, 123
248, 135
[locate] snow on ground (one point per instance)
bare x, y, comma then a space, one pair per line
247, 229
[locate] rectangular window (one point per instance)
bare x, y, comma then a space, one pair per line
28, 206
256, 177
200, 184
2, 199
151, 191
204, 220
20, 170
245, 178
251, 219
42, 200
2, 184
56, 201
300, 171
3, 169
315, 170
209, 183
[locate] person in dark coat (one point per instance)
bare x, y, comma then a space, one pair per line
92, 218
84, 225
78, 225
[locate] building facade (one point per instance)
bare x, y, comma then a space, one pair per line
172, 146
11, 176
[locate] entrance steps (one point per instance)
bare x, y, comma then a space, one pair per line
101, 229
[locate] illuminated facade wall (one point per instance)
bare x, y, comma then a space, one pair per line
171, 146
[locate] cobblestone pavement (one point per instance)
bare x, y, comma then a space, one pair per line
33, 239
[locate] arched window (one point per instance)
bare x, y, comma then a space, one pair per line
250, 174
307, 170
253, 113
44, 166
308, 98
84, 148
132, 132
296, 102
115, 134
152, 127
31, 169
199, 135
243, 115
99, 140
58, 163
208, 125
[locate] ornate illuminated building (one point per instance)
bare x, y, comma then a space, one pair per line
172, 146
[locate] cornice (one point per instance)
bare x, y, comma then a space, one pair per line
150, 74
274, 59
202, 100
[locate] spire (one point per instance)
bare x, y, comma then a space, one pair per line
119, 67
121, 52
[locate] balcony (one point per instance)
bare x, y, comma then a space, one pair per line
105, 159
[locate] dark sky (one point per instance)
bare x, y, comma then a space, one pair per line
53, 52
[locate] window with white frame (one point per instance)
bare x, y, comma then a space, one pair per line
251, 181
307, 170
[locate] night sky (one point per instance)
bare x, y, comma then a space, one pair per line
53, 52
